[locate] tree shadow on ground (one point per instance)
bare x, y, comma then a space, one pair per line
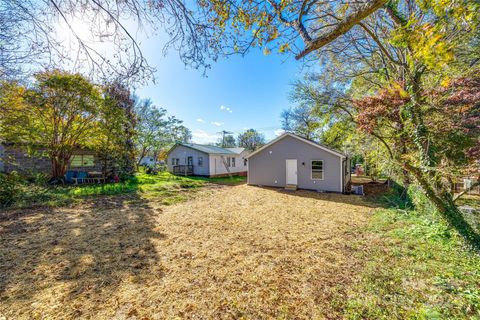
329, 196
69, 262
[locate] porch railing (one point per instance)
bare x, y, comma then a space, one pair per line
183, 170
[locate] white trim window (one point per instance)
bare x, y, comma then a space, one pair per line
317, 170
82, 160
233, 162
200, 161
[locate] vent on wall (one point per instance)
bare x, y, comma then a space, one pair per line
358, 190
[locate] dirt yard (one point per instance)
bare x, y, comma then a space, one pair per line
230, 252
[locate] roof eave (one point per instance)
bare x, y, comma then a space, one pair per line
298, 138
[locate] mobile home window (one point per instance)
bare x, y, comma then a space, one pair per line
200, 161
317, 169
79, 160
228, 161
173, 161
233, 162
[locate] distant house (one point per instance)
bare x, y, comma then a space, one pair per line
294, 162
205, 160
148, 161
16, 158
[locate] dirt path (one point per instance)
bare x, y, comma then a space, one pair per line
233, 252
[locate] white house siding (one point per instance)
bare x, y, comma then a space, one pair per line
182, 153
217, 166
268, 166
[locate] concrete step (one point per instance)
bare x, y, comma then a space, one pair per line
291, 187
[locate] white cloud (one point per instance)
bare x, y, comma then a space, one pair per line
278, 132
202, 137
227, 109
216, 123
200, 120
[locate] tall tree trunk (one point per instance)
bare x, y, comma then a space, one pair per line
59, 167
443, 202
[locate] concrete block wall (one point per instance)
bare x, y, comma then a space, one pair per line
17, 159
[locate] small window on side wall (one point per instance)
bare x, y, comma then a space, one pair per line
244, 162
76, 161
85, 160
173, 161
200, 161
317, 169
233, 162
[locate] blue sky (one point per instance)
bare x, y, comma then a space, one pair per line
237, 93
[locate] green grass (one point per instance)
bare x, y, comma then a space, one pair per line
164, 186
415, 268
223, 180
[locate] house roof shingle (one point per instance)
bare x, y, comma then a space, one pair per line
212, 149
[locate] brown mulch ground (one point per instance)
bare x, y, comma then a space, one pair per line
231, 252
371, 188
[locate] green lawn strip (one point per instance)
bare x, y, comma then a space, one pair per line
415, 268
234, 180
162, 185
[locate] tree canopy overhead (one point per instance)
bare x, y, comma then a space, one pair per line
204, 30
101, 36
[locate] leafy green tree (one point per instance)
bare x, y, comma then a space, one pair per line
179, 132
116, 132
302, 120
227, 142
57, 114
156, 130
251, 139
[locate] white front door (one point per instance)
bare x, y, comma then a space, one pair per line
292, 171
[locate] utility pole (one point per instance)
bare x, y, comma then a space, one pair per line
224, 132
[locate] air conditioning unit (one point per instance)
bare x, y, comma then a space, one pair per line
357, 189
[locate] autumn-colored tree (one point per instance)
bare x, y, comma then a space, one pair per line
57, 114
380, 62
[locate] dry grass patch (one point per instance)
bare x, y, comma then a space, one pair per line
232, 252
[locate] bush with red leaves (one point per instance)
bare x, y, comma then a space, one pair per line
386, 105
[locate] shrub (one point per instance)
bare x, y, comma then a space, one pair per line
9, 188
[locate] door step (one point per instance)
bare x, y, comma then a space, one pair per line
291, 187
